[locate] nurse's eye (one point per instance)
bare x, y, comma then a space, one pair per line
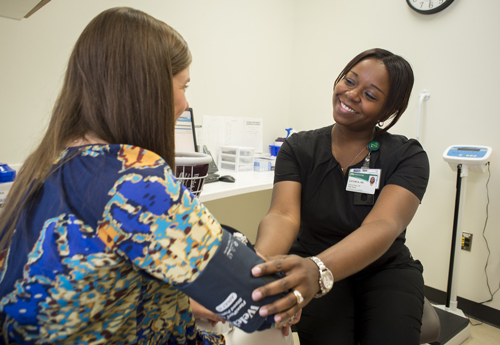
370, 96
186, 87
349, 81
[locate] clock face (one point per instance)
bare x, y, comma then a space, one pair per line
428, 6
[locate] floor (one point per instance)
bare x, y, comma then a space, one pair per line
481, 334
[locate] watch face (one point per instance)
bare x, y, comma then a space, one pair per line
428, 6
327, 279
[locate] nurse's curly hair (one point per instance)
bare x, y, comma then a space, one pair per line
400, 78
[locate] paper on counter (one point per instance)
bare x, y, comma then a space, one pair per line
234, 131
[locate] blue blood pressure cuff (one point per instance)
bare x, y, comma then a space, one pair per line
225, 286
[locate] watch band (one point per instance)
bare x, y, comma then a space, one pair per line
325, 277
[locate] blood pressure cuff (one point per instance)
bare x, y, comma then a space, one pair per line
225, 286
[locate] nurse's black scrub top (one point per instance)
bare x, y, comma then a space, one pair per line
328, 211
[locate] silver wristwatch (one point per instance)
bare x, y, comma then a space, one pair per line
325, 277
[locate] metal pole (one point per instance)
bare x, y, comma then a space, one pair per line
462, 174
453, 237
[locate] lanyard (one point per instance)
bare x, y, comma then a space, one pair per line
372, 147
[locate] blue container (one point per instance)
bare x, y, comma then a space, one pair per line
274, 150
7, 174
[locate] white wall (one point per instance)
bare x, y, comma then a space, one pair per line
454, 55
277, 59
241, 61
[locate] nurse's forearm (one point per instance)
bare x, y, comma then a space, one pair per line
276, 234
359, 249
389, 217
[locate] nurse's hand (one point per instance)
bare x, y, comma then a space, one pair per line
301, 278
285, 329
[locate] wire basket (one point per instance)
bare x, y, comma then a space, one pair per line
191, 168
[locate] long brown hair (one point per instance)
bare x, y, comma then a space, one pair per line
400, 78
118, 88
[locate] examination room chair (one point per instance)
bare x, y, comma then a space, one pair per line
431, 326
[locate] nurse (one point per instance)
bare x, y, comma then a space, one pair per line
348, 235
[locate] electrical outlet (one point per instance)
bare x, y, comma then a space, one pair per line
466, 241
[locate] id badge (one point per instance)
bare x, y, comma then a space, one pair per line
364, 181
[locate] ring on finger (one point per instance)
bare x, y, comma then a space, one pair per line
299, 297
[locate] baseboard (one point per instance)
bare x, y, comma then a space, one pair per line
470, 308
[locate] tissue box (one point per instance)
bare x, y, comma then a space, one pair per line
262, 164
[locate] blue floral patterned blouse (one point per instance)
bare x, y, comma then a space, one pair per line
96, 257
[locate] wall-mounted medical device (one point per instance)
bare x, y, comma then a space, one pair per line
461, 159
476, 157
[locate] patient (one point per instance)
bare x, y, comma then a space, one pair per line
99, 242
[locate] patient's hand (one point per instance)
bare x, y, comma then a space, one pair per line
200, 312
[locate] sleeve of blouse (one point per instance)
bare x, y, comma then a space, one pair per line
412, 169
157, 224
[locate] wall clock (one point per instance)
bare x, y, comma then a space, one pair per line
428, 6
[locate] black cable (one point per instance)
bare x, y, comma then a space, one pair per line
488, 247
486, 241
